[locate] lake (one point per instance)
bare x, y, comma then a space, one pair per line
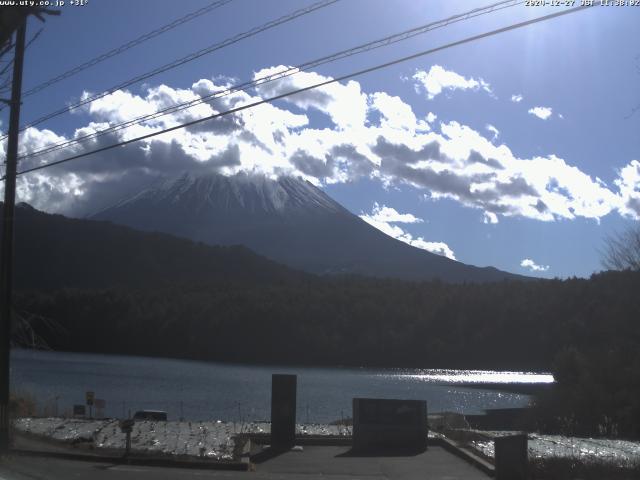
216, 391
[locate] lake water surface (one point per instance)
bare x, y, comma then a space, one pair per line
212, 391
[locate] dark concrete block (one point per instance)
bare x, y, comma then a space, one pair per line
512, 458
283, 410
389, 424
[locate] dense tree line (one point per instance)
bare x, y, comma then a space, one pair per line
352, 320
585, 330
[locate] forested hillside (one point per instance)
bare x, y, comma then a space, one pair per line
53, 252
352, 320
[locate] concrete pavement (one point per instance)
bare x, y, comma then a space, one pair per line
313, 462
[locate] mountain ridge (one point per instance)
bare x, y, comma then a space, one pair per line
54, 252
287, 220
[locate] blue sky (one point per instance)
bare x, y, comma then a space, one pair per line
533, 145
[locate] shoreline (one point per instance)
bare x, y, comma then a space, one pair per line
392, 369
514, 387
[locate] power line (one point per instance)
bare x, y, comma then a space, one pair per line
193, 56
285, 73
391, 39
311, 87
5, 86
127, 46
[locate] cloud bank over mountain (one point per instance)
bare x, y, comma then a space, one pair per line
334, 134
386, 219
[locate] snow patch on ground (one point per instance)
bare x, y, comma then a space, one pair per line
214, 440
617, 452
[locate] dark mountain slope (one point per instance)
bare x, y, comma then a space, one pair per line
288, 220
54, 252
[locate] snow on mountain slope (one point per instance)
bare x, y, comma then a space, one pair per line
250, 193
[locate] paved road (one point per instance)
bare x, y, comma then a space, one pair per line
314, 463
29, 468
337, 463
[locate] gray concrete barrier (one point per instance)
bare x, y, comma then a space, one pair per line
389, 424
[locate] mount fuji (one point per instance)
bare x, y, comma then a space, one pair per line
287, 220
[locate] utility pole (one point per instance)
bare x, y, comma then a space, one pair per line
6, 254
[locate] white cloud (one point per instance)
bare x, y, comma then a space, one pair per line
516, 98
490, 218
533, 266
493, 130
372, 135
438, 79
628, 182
382, 218
439, 248
396, 114
461, 164
390, 215
343, 102
542, 113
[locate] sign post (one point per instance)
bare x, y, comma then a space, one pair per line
127, 426
90, 397
100, 405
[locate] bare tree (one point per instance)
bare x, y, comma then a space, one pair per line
622, 250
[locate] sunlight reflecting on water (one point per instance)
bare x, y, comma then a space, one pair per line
475, 376
215, 391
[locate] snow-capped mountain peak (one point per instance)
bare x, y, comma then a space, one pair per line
248, 192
